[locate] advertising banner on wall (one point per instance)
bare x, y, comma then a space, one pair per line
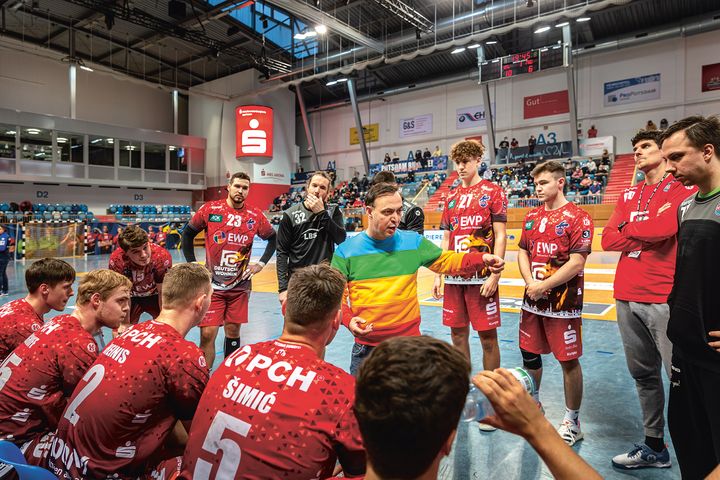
269, 173
253, 131
419, 125
593, 147
711, 77
471, 117
631, 90
434, 163
553, 103
372, 133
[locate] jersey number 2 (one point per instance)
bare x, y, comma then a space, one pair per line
93, 377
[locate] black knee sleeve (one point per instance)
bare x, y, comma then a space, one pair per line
531, 361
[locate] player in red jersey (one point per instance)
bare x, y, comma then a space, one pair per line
276, 409
644, 227
160, 237
230, 227
474, 220
119, 418
116, 239
151, 233
49, 283
105, 240
145, 264
38, 376
556, 239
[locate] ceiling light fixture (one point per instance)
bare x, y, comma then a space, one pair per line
563, 24
33, 131
61, 140
582, 19
542, 29
458, 50
473, 46
299, 36
321, 29
491, 42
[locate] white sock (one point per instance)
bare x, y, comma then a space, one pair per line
572, 416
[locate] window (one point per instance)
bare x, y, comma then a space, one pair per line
101, 151
129, 154
281, 27
178, 158
7, 141
35, 144
70, 147
154, 156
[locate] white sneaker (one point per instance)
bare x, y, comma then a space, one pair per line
484, 427
570, 432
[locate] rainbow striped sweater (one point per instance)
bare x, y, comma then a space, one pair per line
382, 280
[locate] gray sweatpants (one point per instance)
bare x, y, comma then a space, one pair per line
643, 328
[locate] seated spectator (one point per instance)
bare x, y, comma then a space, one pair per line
301, 422
663, 123
124, 428
395, 157
596, 187
387, 159
576, 176
409, 397
591, 166
437, 152
357, 203
605, 160
426, 153
650, 125
602, 173
53, 360
49, 284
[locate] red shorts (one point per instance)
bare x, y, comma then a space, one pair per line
227, 306
140, 305
561, 336
463, 304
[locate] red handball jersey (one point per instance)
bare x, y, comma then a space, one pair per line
648, 241
126, 404
18, 320
38, 377
274, 410
550, 237
229, 239
160, 238
469, 216
144, 279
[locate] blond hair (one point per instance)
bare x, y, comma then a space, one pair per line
467, 150
102, 281
183, 284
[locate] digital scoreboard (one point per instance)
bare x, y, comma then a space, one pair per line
522, 63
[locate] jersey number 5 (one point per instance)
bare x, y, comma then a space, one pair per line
230, 460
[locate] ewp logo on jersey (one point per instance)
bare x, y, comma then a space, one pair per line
253, 131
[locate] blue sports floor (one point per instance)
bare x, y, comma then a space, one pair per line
610, 414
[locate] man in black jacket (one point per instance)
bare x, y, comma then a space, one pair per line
692, 148
413, 217
308, 231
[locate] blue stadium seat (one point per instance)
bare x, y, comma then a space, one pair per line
11, 455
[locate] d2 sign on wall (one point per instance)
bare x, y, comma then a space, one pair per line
253, 131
